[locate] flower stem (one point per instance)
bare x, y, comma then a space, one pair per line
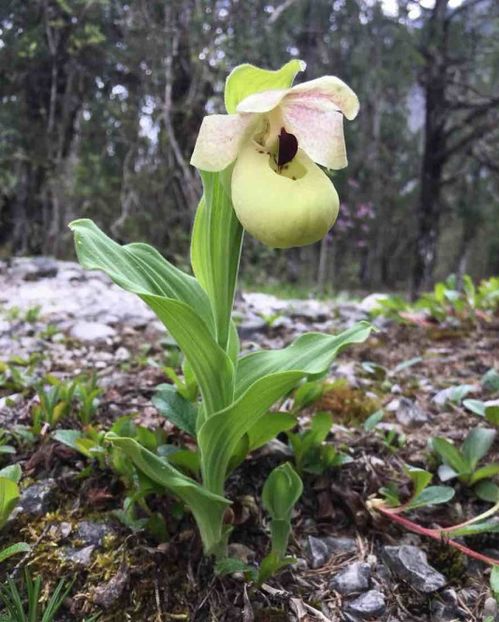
435, 534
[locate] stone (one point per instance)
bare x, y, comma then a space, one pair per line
410, 564
251, 327
122, 354
321, 549
353, 578
367, 605
107, 594
35, 268
80, 557
491, 609
446, 608
372, 302
409, 413
91, 332
37, 499
88, 532
241, 552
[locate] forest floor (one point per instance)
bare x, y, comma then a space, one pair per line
352, 562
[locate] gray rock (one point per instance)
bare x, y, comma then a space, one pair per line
80, 557
36, 499
367, 605
319, 550
251, 327
410, 564
372, 302
92, 533
354, 578
491, 609
107, 594
92, 332
36, 268
409, 413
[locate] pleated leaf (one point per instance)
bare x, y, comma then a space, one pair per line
176, 298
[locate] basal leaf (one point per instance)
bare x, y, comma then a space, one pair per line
432, 495
176, 408
420, 480
206, 507
9, 496
487, 491
12, 472
268, 427
477, 444
450, 455
220, 435
485, 472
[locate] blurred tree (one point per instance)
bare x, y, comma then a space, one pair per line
101, 100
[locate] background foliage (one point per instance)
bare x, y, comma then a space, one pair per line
101, 100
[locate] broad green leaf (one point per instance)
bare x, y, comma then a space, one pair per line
14, 549
138, 268
487, 491
420, 479
307, 394
372, 421
490, 380
431, 496
12, 472
476, 406
311, 353
206, 507
485, 472
216, 248
247, 79
477, 444
219, 436
282, 489
450, 455
67, 437
453, 394
9, 496
174, 407
406, 364
177, 299
319, 429
492, 414
268, 427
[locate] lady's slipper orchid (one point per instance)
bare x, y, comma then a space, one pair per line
275, 137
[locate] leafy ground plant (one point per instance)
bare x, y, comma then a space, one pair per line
463, 462
9, 496
236, 392
19, 607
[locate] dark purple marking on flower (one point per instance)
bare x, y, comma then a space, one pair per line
288, 146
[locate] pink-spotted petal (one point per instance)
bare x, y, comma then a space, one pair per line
219, 140
319, 130
328, 90
265, 101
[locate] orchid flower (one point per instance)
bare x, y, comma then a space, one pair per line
274, 136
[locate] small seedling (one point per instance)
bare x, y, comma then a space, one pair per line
310, 453
463, 463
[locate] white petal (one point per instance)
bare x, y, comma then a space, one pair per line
263, 101
220, 139
319, 130
328, 90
